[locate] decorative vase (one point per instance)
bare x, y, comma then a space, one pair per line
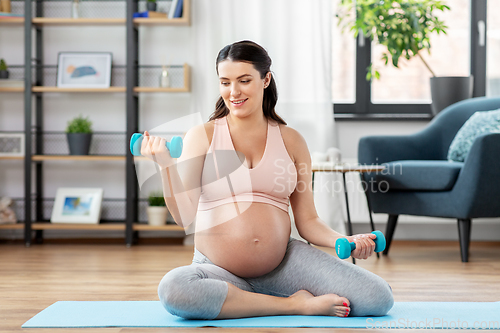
75, 9
164, 78
4, 74
157, 215
446, 90
151, 6
79, 143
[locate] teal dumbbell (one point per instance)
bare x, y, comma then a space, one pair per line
344, 248
174, 146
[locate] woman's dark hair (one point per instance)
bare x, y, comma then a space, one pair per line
248, 51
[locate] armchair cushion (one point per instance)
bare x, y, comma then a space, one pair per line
479, 123
418, 175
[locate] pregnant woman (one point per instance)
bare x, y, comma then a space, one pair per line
236, 177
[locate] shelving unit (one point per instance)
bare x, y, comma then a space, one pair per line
34, 91
16, 69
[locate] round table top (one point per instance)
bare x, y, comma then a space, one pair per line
345, 167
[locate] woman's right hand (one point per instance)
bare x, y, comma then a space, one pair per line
154, 148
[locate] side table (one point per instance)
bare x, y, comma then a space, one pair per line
345, 168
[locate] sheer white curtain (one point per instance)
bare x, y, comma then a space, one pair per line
297, 36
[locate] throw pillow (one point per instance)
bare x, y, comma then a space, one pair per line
479, 123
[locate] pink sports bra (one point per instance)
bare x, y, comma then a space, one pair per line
225, 179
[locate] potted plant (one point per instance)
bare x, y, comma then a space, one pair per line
151, 5
157, 210
79, 134
4, 73
404, 28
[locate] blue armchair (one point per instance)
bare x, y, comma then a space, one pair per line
419, 180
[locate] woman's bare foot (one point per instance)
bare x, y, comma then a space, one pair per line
324, 305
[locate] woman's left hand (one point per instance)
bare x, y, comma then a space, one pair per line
365, 245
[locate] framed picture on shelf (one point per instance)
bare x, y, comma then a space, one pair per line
77, 205
84, 69
11, 144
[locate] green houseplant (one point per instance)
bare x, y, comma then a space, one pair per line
404, 27
4, 73
79, 135
157, 210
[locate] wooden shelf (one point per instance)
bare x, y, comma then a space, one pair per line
163, 90
11, 157
12, 21
79, 21
78, 90
13, 226
166, 227
76, 158
11, 89
161, 21
82, 226
77, 226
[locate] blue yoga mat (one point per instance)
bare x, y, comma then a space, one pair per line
480, 315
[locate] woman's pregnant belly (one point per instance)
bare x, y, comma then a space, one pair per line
248, 239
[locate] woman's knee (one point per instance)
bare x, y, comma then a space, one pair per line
183, 293
171, 289
379, 300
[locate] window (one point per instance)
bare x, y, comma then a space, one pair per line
344, 63
405, 92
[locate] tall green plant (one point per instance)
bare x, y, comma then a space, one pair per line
403, 26
79, 125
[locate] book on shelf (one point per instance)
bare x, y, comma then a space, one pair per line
10, 15
176, 9
150, 14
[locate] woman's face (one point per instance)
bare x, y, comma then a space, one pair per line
241, 87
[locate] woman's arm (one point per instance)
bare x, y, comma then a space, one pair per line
181, 179
307, 221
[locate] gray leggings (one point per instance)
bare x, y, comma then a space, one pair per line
197, 291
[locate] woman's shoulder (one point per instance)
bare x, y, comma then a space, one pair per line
290, 135
295, 143
201, 134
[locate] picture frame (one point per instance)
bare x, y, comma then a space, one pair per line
84, 69
77, 205
12, 144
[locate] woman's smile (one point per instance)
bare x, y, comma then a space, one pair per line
238, 102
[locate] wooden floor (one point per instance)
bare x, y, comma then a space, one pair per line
33, 278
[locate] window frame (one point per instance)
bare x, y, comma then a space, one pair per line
364, 109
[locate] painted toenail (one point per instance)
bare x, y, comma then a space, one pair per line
344, 304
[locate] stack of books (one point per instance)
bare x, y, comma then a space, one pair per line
150, 14
174, 12
176, 9
7, 16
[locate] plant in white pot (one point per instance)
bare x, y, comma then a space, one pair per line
157, 210
79, 135
404, 27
